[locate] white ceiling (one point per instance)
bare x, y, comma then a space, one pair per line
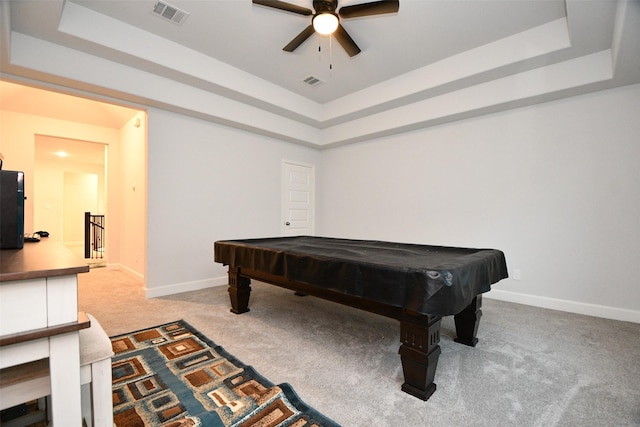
50, 149
412, 59
250, 37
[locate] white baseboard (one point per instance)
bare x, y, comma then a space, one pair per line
595, 310
121, 267
566, 305
185, 287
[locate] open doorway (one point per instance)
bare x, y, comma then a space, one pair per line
69, 180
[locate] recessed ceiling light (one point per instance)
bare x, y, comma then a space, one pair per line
61, 153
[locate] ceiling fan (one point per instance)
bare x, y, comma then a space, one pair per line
327, 21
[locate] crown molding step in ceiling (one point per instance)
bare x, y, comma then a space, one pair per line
418, 64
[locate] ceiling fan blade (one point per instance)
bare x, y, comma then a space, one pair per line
299, 39
368, 9
346, 41
287, 7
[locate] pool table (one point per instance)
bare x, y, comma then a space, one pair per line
415, 284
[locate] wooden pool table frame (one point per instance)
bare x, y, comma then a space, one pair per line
419, 333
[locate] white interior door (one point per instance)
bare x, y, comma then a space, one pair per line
298, 196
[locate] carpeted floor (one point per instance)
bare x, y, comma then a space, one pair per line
532, 367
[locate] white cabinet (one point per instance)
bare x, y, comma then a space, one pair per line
39, 319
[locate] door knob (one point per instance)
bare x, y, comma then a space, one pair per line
287, 223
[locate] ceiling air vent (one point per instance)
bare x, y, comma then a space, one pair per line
312, 81
170, 13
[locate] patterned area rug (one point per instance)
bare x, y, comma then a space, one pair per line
173, 376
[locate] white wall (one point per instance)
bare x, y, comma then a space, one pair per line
555, 186
127, 165
208, 182
80, 196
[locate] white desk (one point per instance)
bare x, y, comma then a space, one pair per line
39, 319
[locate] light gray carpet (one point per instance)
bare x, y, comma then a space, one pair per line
532, 367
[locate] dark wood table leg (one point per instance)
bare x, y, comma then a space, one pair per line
467, 322
419, 353
239, 291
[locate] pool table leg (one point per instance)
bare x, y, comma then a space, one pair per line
419, 353
467, 322
239, 291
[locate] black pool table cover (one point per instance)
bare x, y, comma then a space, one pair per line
433, 280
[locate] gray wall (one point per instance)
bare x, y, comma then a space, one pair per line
208, 182
556, 186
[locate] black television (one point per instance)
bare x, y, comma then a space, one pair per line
11, 209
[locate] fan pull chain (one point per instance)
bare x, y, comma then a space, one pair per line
330, 55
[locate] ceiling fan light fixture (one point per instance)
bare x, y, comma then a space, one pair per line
325, 23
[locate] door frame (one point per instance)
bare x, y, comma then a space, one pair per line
284, 191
